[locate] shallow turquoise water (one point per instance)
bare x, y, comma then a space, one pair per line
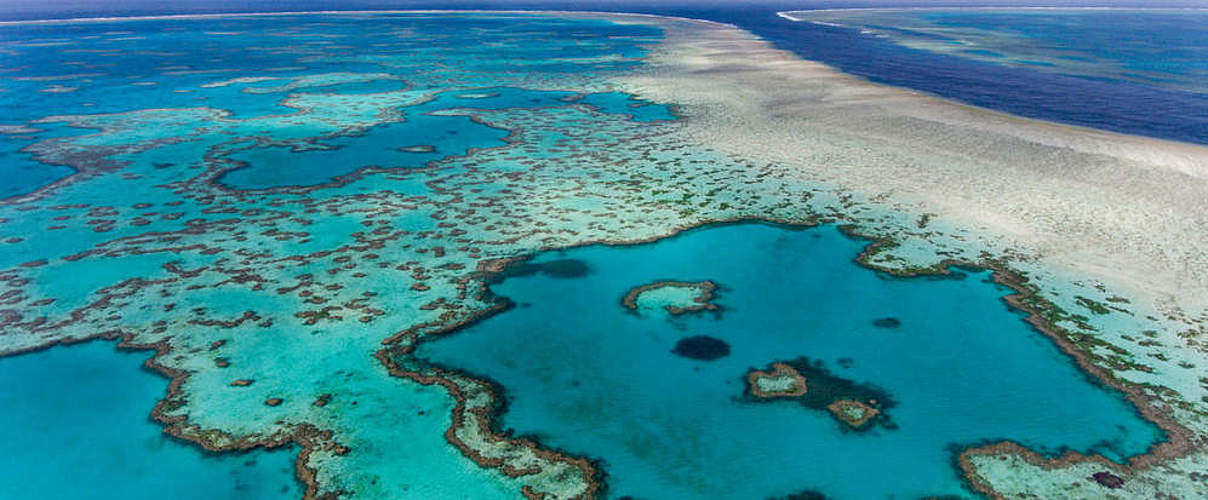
84, 431
586, 375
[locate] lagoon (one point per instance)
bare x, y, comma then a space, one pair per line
588, 376
84, 431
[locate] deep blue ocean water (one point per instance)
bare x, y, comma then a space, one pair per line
1045, 91
586, 375
1163, 48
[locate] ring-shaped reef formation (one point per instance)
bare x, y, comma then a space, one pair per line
781, 381
674, 297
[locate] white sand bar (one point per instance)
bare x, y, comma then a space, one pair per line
1130, 209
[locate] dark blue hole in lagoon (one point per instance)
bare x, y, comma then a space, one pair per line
83, 431
588, 376
701, 347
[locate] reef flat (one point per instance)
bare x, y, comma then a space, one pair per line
249, 197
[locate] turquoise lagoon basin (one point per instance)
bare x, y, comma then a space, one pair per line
77, 425
585, 375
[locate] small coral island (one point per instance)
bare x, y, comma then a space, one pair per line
675, 297
857, 405
781, 382
853, 413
